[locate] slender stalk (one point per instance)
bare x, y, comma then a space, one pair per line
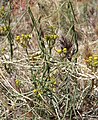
10, 36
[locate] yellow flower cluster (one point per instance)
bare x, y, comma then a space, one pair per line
2, 12
51, 37
62, 51
93, 61
37, 92
23, 39
3, 30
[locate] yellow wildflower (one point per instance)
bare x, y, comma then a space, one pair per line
5, 28
18, 38
54, 82
18, 82
95, 58
65, 50
28, 36
59, 51
90, 58
96, 63
35, 91
23, 36
55, 37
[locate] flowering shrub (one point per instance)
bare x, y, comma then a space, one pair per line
42, 73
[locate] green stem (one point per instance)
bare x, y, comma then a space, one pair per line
10, 37
40, 41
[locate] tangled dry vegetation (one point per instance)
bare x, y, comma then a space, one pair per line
49, 60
